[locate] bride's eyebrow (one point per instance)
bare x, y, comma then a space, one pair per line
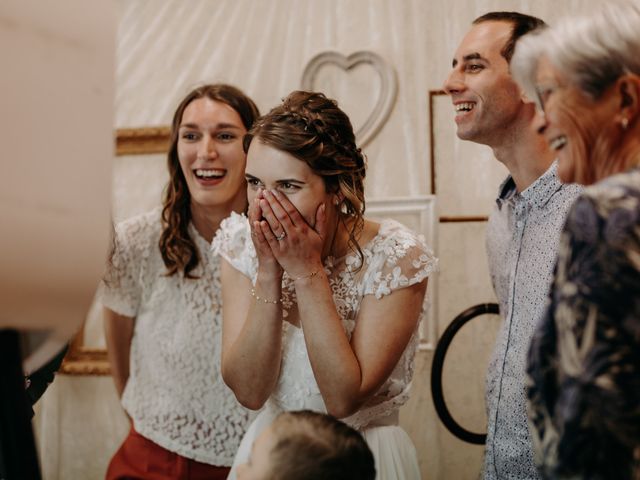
291, 180
280, 181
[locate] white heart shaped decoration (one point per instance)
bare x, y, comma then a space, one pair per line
388, 86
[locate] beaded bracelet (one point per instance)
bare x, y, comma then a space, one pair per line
264, 300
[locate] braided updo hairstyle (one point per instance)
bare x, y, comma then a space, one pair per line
312, 128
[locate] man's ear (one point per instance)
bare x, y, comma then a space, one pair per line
524, 96
528, 104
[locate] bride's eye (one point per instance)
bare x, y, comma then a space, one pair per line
254, 183
288, 187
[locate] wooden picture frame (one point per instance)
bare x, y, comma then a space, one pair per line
142, 141
80, 359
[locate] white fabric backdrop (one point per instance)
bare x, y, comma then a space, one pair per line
166, 48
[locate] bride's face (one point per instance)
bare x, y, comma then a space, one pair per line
271, 169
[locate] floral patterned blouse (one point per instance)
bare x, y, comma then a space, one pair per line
584, 361
395, 258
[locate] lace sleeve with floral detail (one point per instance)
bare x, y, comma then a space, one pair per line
396, 258
233, 243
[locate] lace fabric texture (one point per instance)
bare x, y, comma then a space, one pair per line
395, 258
175, 393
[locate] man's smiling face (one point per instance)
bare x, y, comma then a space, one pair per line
485, 97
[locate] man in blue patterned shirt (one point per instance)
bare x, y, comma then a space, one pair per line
523, 229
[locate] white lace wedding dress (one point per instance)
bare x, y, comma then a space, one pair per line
395, 258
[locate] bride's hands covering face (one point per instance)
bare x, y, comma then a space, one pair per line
266, 259
293, 243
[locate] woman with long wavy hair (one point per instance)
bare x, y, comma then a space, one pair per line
162, 302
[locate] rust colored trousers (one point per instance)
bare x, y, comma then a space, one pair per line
140, 458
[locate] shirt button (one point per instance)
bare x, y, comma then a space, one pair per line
519, 223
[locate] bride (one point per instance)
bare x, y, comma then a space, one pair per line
320, 305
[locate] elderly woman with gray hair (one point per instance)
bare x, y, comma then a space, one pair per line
584, 361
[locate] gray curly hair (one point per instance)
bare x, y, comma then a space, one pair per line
591, 51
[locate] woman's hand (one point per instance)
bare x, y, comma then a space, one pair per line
295, 244
267, 262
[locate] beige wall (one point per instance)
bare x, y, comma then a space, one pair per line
167, 47
56, 92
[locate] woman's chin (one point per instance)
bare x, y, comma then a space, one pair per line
567, 171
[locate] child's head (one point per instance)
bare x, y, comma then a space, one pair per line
308, 445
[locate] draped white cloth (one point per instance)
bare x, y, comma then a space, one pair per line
166, 48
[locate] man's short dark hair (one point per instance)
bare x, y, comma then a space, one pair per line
522, 24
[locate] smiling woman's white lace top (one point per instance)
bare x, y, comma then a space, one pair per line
395, 258
175, 393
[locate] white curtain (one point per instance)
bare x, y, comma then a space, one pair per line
262, 46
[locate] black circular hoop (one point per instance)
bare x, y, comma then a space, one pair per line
438, 364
